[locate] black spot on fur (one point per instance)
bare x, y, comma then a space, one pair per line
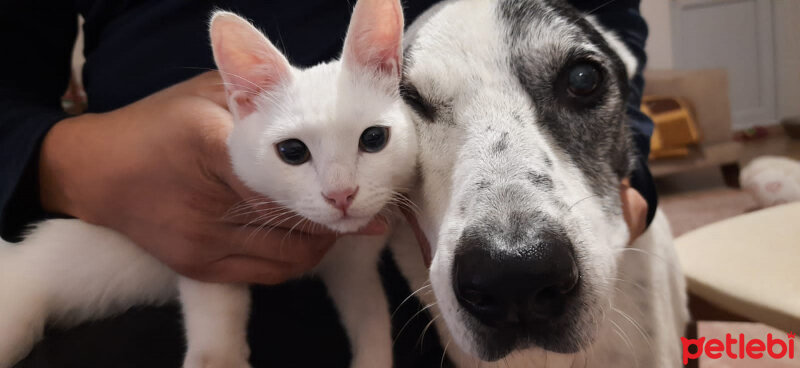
540, 180
483, 185
429, 107
518, 118
501, 144
412, 98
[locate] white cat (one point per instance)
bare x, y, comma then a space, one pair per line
332, 143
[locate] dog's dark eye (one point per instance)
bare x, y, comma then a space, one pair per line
580, 85
583, 79
293, 151
373, 139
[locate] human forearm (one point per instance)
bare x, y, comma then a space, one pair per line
69, 163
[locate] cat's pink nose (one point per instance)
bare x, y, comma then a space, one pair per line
341, 199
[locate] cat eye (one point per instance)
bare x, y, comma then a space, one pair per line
373, 139
583, 78
293, 151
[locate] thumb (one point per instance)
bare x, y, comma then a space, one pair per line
211, 86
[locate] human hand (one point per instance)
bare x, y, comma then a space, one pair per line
158, 171
634, 210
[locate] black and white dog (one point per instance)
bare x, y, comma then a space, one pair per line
519, 107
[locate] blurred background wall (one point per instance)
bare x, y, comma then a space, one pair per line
756, 41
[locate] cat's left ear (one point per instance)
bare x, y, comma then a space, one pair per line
374, 42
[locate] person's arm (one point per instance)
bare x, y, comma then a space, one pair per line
156, 170
34, 71
624, 19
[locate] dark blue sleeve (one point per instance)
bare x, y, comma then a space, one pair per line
624, 19
34, 71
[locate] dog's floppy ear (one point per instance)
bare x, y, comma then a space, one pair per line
375, 38
630, 61
248, 62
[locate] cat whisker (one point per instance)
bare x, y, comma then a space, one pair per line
411, 319
421, 339
603, 5
632, 283
625, 339
257, 212
265, 221
273, 227
272, 215
228, 84
649, 254
249, 205
407, 200
303, 221
251, 83
276, 225
444, 353
402, 202
269, 222
251, 88
305, 227
581, 200
426, 285
637, 326
266, 218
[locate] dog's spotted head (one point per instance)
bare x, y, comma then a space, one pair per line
519, 106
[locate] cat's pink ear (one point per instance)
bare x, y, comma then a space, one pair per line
374, 42
248, 62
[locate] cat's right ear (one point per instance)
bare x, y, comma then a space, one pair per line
248, 62
374, 42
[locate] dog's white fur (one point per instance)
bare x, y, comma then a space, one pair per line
641, 308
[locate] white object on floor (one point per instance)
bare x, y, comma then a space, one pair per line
772, 180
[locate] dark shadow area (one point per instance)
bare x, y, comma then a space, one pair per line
292, 325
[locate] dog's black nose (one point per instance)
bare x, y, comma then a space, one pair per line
505, 287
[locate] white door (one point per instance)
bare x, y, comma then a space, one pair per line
736, 35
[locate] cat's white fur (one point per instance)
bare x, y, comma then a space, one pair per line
772, 180
69, 271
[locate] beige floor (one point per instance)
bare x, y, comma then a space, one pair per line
708, 200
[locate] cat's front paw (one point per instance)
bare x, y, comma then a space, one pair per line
16, 341
21, 326
374, 359
217, 358
215, 362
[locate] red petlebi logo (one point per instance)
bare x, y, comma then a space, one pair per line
739, 348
